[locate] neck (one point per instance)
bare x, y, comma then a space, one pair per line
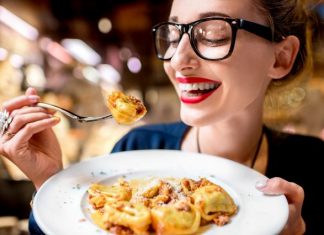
249, 160
237, 139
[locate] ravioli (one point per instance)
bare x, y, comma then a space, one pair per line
125, 109
174, 219
134, 216
213, 201
99, 194
168, 206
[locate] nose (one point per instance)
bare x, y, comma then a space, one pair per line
184, 56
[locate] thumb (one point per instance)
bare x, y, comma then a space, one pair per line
278, 186
31, 91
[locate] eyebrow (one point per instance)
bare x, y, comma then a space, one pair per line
202, 15
209, 14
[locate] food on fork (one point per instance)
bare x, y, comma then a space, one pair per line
168, 206
124, 108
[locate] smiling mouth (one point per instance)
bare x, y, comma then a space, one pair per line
194, 89
196, 92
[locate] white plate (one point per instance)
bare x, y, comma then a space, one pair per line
60, 206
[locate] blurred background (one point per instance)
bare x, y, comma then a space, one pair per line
75, 51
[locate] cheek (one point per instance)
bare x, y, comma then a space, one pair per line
245, 81
246, 86
250, 63
170, 72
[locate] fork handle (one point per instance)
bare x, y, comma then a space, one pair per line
62, 110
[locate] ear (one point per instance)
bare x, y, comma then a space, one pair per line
285, 55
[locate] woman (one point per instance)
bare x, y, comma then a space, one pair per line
222, 89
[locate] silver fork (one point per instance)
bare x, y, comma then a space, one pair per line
73, 115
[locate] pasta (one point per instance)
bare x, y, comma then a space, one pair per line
135, 216
178, 218
99, 195
165, 206
125, 109
212, 201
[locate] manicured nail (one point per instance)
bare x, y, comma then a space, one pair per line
261, 184
55, 118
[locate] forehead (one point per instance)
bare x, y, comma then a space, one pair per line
186, 11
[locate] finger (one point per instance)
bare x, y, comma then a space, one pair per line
6, 137
276, 186
31, 91
30, 109
33, 128
19, 121
10, 146
19, 102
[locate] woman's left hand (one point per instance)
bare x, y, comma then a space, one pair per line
295, 197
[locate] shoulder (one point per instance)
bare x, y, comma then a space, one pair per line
156, 136
282, 141
291, 154
297, 158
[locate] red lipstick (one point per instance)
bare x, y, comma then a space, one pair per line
196, 89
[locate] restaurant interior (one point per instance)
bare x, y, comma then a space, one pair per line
74, 52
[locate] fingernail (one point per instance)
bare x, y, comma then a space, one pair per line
33, 98
261, 184
55, 118
51, 112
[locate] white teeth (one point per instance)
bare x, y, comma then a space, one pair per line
196, 86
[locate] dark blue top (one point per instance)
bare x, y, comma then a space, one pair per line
159, 136
295, 158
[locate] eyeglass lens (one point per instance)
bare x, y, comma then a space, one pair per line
210, 39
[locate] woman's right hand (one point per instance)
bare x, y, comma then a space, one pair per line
29, 141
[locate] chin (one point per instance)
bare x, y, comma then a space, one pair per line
192, 117
201, 117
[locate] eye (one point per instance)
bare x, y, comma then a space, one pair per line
213, 33
215, 42
213, 38
173, 36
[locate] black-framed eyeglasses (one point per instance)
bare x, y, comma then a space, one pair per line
212, 38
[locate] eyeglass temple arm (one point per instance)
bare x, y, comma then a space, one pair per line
258, 29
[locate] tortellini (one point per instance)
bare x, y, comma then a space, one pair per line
125, 109
212, 200
99, 194
173, 219
135, 216
167, 206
